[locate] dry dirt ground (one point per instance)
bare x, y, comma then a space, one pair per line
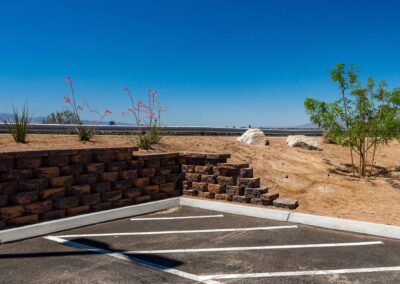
320, 180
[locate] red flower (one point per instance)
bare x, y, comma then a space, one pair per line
68, 79
80, 108
107, 111
67, 99
125, 89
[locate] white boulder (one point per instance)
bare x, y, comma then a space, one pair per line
303, 141
254, 137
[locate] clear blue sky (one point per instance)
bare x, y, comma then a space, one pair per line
213, 62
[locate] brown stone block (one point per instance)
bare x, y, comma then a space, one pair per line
86, 179
152, 163
66, 202
204, 170
52, 193
147, 172
187, 184
23, 220
47, 172
223, 196
123, 156
143, 198
62, 181
128, 174
15, 175
39, 207
111, 195
248, 182
74, 169
234, 165
101, 206
189, 192
188, 168
163, 171
226, 180
241, 199
226, 171
2, 224
256, 201
167, 187
135, 164
8, 187
11, 212
51, 215
90, 199
255, 192
216, 188
168, 162
192, 177
158, 196
234, 190
81, 159
24, 198
3, 200
122, 184
57, 159
142, 182
158, 179
116, 166
208, 179
205, 194
152, 188
200, 186
269, 197
78, 210
109, 176
28, 163
79, 190
104, 157
122, 202
289, 203
176, 169
132, 192
246, 172
174, 193
94, 168
174, 177
102, 187
6, 164
32, 185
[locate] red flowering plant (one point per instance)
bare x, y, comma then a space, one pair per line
147, 119
85, 132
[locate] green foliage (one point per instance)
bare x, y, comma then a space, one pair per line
63, 117
149, 139
85, 133
363, 118
19, 126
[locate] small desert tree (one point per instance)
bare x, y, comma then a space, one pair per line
362, 119
64, 117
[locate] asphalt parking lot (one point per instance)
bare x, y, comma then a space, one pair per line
189, 245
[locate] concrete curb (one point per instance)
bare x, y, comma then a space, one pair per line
234, 208
44, 228
347, 225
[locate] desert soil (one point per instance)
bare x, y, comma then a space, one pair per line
320, 180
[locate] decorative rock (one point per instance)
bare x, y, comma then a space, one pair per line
241, 199
235, 190
192, 177
54, 214
248, 182
216, 188
255, 192
269, 197
286, 203
189, 192
200, 186
223, 196
205, 194
303, 141
254, 137
47, 172
39, 207
75, 169
256, 201
226, 180
52, 193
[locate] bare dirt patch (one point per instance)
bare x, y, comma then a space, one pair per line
320, 180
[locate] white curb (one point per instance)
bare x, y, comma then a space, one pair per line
44, 228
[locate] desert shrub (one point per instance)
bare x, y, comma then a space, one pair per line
19, 125
147, 119
362, 119
62, 117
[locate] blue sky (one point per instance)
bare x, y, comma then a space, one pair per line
213, 62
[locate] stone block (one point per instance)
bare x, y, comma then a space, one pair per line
111, 195
11, 212
6, 164
168, 162
204, 170
255, 192
200, 186
187, 184
132, 192
289, 203
51, 215
152, 163
116, 166
152, 188
143, 198
248, 182
216, 188
104, 157
122, 202
208, 179
28, 163
269, 197
135, 164
101, 206
227, 171
56, 159
235, 190
188, 168
8, 187
226, 180
147, 172
256, 201
122, 184
95, 168
3, 200
62, 181
32, 185
86, 179
192, 177
123, 156
81, 159
78, 210
101, 187
189, 192
52, 193
233, 165
23, 220
128, 174
15, 175
66, 202
47, 172
109, 176
74, 169
39, 207
90, 199
142, 182
167, 187
174, 177
79, 190
158, 179
23, 198
223, 196
246, 172
163, 171
205, 194
2, 222
241, 199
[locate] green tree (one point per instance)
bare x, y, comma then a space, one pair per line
363, 118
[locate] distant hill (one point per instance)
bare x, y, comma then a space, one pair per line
306, 125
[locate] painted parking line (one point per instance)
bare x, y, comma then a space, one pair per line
300, 273
132, 259
181, 232
255, 248
177, 218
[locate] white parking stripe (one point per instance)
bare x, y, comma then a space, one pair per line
180, 232
177, 218
132, 259
255, 248
299, 273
